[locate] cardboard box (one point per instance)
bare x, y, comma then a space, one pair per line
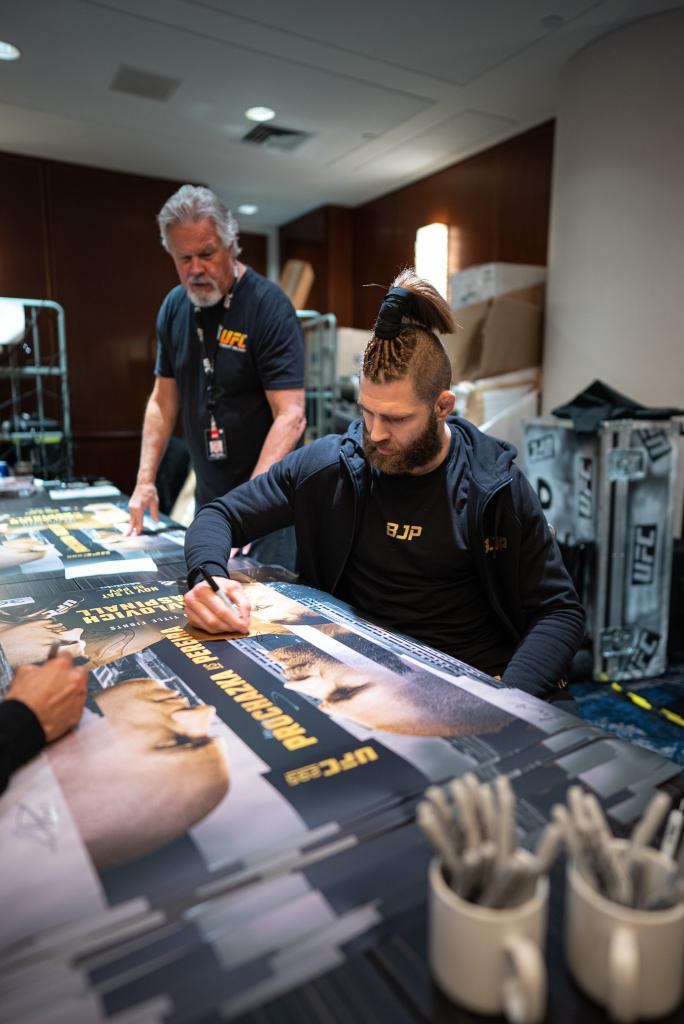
508, 424
512, 332
464, 348
499, 336
481, 401
351, 342
486, 281
296, 279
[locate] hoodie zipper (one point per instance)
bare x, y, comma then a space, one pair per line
493, 596
357, 497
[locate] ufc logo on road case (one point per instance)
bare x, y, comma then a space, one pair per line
656, 443
405, 532
644, 554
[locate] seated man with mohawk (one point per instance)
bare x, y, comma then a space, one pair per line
414, 516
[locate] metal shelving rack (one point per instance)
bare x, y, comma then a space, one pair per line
320, 353
37, 359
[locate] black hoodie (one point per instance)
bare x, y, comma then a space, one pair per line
320, 489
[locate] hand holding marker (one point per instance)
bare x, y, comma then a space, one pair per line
217, 590
232, 606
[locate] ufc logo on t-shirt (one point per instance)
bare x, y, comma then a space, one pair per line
233, 339
404, 531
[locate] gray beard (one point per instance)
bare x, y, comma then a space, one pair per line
203, 299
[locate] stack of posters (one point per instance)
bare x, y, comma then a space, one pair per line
234, 815
71, 539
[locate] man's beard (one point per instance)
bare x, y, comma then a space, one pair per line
420, 452
202, 297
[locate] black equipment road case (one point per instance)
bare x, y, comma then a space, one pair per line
609, 497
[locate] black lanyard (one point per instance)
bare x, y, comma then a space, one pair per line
208, 362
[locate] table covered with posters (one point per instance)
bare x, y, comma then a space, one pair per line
229, 834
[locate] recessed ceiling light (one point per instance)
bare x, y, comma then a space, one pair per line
8, 51
259, 114
247, 209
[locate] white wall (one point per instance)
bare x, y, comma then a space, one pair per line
616, 258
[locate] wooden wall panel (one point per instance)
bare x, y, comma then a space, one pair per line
340, 228
23, 266
23, 249
306, 238
111, 454
254, 251
524, 197
380, 246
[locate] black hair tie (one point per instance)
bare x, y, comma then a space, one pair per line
395, 306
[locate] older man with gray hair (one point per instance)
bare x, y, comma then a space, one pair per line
230, 357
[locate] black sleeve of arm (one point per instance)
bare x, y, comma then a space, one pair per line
21, 738
163, 366
555, 617
244, 514
279, 347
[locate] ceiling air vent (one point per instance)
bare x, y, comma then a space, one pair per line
271, 137
147, 84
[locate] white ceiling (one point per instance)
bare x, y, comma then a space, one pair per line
390, 92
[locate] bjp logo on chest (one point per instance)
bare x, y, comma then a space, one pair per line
403, 531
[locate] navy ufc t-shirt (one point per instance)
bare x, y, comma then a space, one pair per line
260, 348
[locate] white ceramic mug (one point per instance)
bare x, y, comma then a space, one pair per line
630, 961
489, 960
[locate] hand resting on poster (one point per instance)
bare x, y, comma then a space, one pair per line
55, 692
42, 703
144, 498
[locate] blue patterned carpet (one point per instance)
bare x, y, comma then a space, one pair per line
600, 705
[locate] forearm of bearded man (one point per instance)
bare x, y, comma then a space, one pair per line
288, 426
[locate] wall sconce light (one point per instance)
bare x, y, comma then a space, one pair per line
432, 255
